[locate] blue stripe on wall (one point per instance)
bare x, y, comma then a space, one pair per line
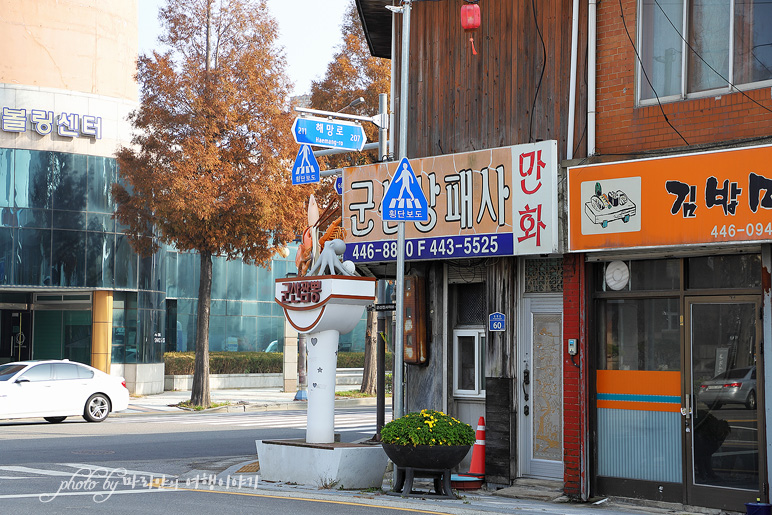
637, 444
670, 399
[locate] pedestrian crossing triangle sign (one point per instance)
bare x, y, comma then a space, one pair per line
306, 169
404, 201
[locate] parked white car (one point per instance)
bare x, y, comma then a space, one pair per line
59, 389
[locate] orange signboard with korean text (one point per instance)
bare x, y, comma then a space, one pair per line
696, 199
493, 202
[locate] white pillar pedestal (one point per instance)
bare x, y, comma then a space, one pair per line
322, 350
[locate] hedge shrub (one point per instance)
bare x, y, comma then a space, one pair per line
183, 363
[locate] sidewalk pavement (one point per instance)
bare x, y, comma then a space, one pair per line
238, 399
525, 497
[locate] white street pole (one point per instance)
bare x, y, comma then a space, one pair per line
403, 114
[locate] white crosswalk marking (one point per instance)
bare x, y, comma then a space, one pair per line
359, 422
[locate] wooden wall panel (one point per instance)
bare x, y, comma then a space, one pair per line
462, 102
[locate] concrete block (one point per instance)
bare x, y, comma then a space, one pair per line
341, 465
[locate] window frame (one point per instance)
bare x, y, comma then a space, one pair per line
684, 93
479, 362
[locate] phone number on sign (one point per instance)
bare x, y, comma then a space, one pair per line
481, 245
731, 231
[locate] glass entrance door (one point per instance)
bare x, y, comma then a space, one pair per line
15, 341
722, 422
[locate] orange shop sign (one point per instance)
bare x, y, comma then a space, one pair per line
696, 199
494, 202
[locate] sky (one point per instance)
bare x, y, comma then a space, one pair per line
309, 31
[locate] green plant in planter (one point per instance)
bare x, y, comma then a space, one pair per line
428, 427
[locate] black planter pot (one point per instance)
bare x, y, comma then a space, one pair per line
436, 457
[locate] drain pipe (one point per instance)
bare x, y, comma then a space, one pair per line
572, 82
591, 41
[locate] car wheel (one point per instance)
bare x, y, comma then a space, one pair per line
97, 408
750, 402
54, 420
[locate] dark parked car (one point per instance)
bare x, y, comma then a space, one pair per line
735, 386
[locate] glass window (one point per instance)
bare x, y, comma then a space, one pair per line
100, 259
468, 362
472, 310
34, 218
712, 56
661, 48
65, 371
48, 335
68, 260
68, 172
219, 284
125, 263
6, 255
752, 41
77, 336
738, 271
101, 176
38, 373
249, 282
234, 280
100, 223
69, 220
33, 259
188, 273
6, 177
84, 373
709, 38
643, 275
639, 334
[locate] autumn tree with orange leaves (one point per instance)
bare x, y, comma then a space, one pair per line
209, 168
353, 73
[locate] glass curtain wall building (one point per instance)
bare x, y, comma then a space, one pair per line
70, 284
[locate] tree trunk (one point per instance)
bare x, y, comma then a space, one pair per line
371, 348
200, 394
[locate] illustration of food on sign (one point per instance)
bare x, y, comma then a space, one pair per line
607, 207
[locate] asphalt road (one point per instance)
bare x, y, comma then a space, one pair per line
197, 464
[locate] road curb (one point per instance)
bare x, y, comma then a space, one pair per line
242, 407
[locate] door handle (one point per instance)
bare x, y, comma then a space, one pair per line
686, 409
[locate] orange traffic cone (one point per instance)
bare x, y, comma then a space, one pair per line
477, 467
473, 479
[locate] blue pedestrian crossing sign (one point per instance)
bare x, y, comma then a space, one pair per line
404, 201
339, 185
306, 169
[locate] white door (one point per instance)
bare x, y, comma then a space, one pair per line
540, 387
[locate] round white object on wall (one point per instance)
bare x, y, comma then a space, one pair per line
617, 275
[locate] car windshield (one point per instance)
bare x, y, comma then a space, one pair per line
7, 371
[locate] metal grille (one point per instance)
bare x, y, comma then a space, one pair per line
544, 275
470, 304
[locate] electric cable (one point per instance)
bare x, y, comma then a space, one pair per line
643, 69
704, 61
543, 66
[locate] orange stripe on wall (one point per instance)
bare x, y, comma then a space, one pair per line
640, 406
638, 382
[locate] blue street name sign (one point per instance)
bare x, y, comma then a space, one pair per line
404, 200
322, 132
306, 169
497, 321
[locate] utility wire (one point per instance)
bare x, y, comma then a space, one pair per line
704, 61
643, 69
543, 65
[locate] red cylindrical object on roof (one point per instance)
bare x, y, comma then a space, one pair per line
470, 16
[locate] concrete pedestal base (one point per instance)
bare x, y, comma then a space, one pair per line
329, 465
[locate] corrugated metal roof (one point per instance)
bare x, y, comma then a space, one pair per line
376, 22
